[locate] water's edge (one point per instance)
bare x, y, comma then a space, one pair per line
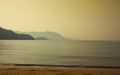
66, 66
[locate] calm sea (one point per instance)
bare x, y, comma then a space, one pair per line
97, 53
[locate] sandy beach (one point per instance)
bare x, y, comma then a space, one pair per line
37, 70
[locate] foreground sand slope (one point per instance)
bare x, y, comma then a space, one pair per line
55, 71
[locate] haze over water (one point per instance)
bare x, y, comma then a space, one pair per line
93, 53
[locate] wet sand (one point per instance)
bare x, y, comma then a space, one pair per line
37, 70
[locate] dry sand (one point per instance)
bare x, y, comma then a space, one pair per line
26, 70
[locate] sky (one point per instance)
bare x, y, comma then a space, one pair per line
77, 19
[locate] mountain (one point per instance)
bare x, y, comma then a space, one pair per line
11, 35
41, 38
48, 35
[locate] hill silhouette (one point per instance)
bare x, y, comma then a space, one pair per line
41, 38
48, 35
11, 35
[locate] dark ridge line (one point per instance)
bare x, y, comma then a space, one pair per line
71, 66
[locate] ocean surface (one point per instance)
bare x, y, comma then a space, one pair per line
92, 53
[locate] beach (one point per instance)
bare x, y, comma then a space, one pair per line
40, 70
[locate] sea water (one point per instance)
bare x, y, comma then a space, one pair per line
48, 52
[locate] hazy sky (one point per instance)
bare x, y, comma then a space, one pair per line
80, 19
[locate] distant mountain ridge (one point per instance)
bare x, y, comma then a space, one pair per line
41, 38
47, 35
11, 35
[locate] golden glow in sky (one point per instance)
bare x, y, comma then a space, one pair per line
80, 19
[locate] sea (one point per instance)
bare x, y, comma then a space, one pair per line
48, 52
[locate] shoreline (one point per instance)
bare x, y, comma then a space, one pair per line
30, 69
65, 66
